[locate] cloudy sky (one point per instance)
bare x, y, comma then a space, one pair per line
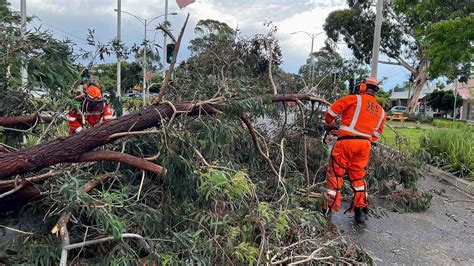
72, 19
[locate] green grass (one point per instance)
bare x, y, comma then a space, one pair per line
450, 143
453, 148
445, 123
404, 136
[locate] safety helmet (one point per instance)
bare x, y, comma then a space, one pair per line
368, 83
93, 93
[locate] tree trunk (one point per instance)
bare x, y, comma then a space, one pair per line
23, 120
418, 85
69, 149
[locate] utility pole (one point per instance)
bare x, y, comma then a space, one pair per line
312, 60
24, 71
376, 44
144, 67
455, 94
119, 59
164, 39
145, 23
312, 36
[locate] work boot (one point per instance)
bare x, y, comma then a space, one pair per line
360, 215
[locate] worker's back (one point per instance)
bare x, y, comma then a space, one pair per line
361, 115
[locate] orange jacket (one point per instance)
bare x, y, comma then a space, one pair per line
75, 118
361, 115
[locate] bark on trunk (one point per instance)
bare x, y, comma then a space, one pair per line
420, 82
70, 149
27, 120
123, 158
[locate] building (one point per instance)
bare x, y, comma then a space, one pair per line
401, 98
466, 91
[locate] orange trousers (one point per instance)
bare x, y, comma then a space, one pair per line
351, 155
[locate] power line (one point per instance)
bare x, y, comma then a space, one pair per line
67, 34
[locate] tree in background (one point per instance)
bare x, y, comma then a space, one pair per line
331, 72
428, 38
131, 73
50, 64
51, 73
443, 100
153, 59
224, 63
383, 98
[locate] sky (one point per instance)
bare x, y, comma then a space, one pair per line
72, 18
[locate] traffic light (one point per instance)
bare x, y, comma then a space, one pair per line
169, 52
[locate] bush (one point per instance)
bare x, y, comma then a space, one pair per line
452, 147
422, 118
445, 123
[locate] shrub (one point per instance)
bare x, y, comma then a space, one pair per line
422, 118
452, 147
445, 123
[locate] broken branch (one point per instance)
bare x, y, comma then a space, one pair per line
90, 185
270, 65
123, 158
11, 183
305, 149
257, 146
133, 133
173, 62
100, 240
24, 120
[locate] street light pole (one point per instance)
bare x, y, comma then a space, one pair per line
455, 98
312, 60
164, 39
119, 33
144, 66
376, 45
312, 36
145, 23
24, 72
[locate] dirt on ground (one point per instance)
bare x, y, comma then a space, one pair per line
441, 235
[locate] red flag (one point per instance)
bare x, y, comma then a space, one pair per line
184, 3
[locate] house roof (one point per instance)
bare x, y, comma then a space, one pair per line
466, 93
465, 90
403, 95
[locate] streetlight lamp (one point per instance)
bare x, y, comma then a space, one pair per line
312, 36
145, 23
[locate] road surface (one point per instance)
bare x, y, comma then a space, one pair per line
441, 235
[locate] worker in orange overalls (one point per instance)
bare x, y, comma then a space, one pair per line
362, 121
94, 108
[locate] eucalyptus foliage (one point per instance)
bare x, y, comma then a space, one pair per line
217, 203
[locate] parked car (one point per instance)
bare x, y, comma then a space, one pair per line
397, 109
38, 92
134, 95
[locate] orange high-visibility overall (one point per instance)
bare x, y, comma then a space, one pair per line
362, 121
76, 119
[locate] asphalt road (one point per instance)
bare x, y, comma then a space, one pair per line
441, 235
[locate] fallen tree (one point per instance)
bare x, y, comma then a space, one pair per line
219, 201
69, 149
